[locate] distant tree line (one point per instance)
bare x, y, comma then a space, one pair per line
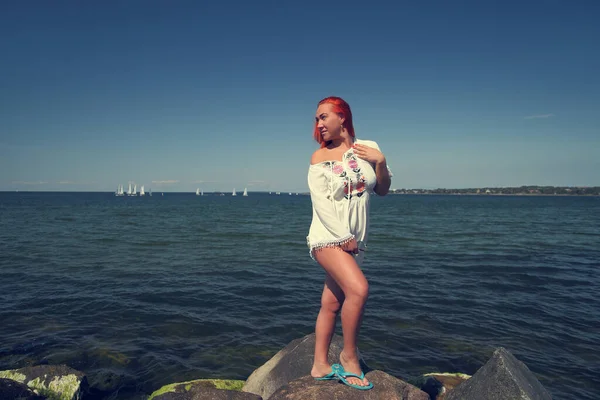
521, 190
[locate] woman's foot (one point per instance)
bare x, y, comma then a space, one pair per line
320, 370
351, 364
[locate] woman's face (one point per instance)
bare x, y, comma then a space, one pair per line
328, 122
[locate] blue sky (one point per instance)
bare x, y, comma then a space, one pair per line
184, 94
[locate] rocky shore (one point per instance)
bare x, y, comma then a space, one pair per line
284, 377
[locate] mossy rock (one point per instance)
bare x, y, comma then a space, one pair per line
10, 389
55, 382
183, 387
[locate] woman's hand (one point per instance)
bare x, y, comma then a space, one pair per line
375, 157
350, 247
369, 154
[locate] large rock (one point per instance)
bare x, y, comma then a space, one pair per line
203, 389
437, 384
56, 382
503, 377
385, 387
12, 390
292, 362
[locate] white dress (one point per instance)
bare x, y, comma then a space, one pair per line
340, 192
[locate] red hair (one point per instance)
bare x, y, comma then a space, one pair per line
341, 108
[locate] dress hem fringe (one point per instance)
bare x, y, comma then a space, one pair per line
328, 244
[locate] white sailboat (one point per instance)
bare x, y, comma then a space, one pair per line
142, 193
197, 191
234, 193
150, 193
130, 191
119, 191
134, 189
245, 192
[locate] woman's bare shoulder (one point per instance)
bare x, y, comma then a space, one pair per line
318, 156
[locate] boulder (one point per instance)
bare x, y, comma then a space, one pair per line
503, 377
12, 390
438, 384
292, 362
203, 389
384, 387
56, 382
105, 381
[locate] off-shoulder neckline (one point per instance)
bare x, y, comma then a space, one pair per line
335, 161
327, 161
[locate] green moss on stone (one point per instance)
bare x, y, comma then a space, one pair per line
225, 384
228, 384
60, 388
165, 389
12, 375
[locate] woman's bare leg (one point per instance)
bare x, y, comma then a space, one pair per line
331, 302
344, 270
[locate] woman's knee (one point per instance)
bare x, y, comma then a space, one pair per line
359, 291
331, 307
331, 304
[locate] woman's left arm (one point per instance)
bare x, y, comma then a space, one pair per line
382, 187
376, 157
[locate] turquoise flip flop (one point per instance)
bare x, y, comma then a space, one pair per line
333, 375
345, 374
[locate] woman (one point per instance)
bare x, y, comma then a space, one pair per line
341, 177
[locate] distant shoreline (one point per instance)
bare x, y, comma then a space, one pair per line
420, 192
496, 194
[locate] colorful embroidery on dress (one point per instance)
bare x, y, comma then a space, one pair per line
353, 163
361, 186
338, 170
356, 184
